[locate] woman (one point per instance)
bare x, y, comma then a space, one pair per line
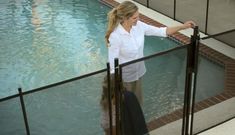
125, 40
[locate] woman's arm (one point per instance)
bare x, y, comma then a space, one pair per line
186, 25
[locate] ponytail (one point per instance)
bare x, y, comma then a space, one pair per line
112, 24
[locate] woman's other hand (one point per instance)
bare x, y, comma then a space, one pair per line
189, 24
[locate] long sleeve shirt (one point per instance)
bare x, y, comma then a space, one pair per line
129, 46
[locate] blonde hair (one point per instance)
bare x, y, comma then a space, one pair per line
104, 97
117, 15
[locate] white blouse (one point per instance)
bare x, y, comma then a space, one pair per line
129, 46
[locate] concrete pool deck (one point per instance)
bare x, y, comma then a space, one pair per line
212, 49
210, 116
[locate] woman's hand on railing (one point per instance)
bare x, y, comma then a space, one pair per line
189, 24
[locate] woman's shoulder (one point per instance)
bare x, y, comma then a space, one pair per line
114, 36
141, 24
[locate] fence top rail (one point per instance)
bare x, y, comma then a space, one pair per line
53, 85
218, 34
9, 97
153, 55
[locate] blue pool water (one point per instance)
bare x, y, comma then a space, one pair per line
47, 41
43, 42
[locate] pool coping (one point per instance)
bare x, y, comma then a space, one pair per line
209, 53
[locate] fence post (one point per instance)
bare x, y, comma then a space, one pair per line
207, 12
117, 96
109, 101
174, 10
187, 91
195, 41
190, 83
24, 111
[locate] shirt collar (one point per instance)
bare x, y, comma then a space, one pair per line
121, 30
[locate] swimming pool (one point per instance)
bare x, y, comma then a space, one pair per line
43, 42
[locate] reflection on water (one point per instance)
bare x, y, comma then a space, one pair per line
46, 41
